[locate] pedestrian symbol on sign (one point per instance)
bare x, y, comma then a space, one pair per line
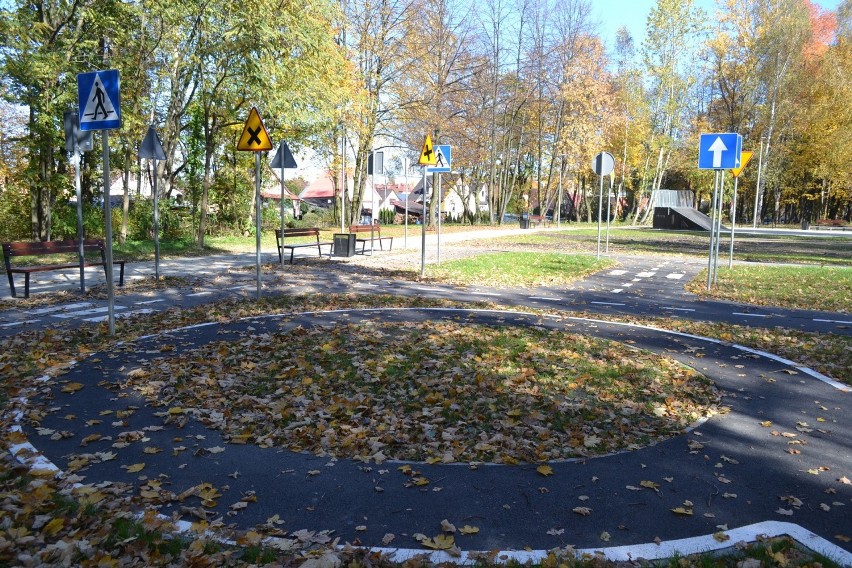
99, 98
439, 158
98, 103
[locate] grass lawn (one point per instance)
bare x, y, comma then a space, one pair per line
805, 287
518, 269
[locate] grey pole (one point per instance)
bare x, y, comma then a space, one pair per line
600, 213
108, 229
733, 222
156, 226
78, 186
757, 187
712, 229
559, 195
439, 218
257, 215
719, 226
608, 206
282, 202
407, 191
423, 230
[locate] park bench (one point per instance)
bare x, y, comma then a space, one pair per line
833, 223
46, 248
376, 235
281, 243
537, 220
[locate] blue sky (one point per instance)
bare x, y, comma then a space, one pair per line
612, 14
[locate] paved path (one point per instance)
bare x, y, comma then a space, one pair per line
734, 469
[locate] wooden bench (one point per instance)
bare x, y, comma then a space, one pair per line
280, 240
37, 248
538, 220
376, 236
833, 223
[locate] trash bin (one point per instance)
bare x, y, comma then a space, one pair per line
525, 221
344, 244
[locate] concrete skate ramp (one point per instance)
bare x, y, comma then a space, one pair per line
681, 218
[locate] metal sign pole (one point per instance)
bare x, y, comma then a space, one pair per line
712, 230
156, 226
108, 228
407, 191
719, 227
439, 219
78, 186
559, 195
423, 230
372, 209
608, 207
600, 207
257, 216
282, 202
733, 222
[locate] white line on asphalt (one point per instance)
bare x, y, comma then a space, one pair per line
636, 280
121, 315
366, 285
617, 272
425, 289
645, 274
549, 298
833, 321
50, 309
22, 322
607, 303
627, 285
151, 301
486, 294
675, 276
205, 293
243, 287
678, 309
87, 312
751, 315
617, 291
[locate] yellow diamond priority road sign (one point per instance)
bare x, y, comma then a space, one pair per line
427, 155
745, 158
255, 138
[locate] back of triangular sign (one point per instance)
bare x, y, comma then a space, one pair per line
152, 148
288, 160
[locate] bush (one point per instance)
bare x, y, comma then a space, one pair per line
14, 215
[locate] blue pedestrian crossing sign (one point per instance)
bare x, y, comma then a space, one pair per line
719, 151
99, 98
443, 160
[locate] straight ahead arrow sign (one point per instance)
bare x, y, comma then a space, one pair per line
717, 148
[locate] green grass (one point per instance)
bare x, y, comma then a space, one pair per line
805, 287
518, 269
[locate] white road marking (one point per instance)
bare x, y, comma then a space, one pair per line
751, 315
244, 287
87, 312
678, 309
426, 289
833, 321
59, 308
627, 285
617, 272
549, 298
617, 290
607, 303
121, 315
645, 274
205, 293
22, 322
486, 294
675, 276
151, 301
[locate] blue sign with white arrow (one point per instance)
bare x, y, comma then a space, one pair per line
719, 151
100, 101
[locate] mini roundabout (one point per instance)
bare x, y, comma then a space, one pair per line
444, 431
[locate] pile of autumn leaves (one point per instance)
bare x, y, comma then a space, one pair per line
436, 392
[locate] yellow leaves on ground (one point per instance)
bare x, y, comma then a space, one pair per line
685, 509
72, 387
358, 398
544, 470
134, 468
584, 511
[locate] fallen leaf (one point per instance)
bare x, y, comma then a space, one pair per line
721, 537
585, 511
605, 536
134, 468
447, 526
467, 529
786, 512
682, 511
555, 532
544, 470
72, 387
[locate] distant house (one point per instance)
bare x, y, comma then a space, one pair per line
320, 192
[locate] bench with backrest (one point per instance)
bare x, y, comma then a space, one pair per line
376, 235
46, 248
281, 241
537, 220
834, 223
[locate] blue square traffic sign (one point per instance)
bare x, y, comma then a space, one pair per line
98, 93
719, 151
443, 160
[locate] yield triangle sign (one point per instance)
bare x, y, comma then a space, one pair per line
152, 148
254, 138
745, 158
283, 158
427, 155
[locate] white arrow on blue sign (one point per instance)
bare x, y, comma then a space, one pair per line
100, 102
719, 151
443, 160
